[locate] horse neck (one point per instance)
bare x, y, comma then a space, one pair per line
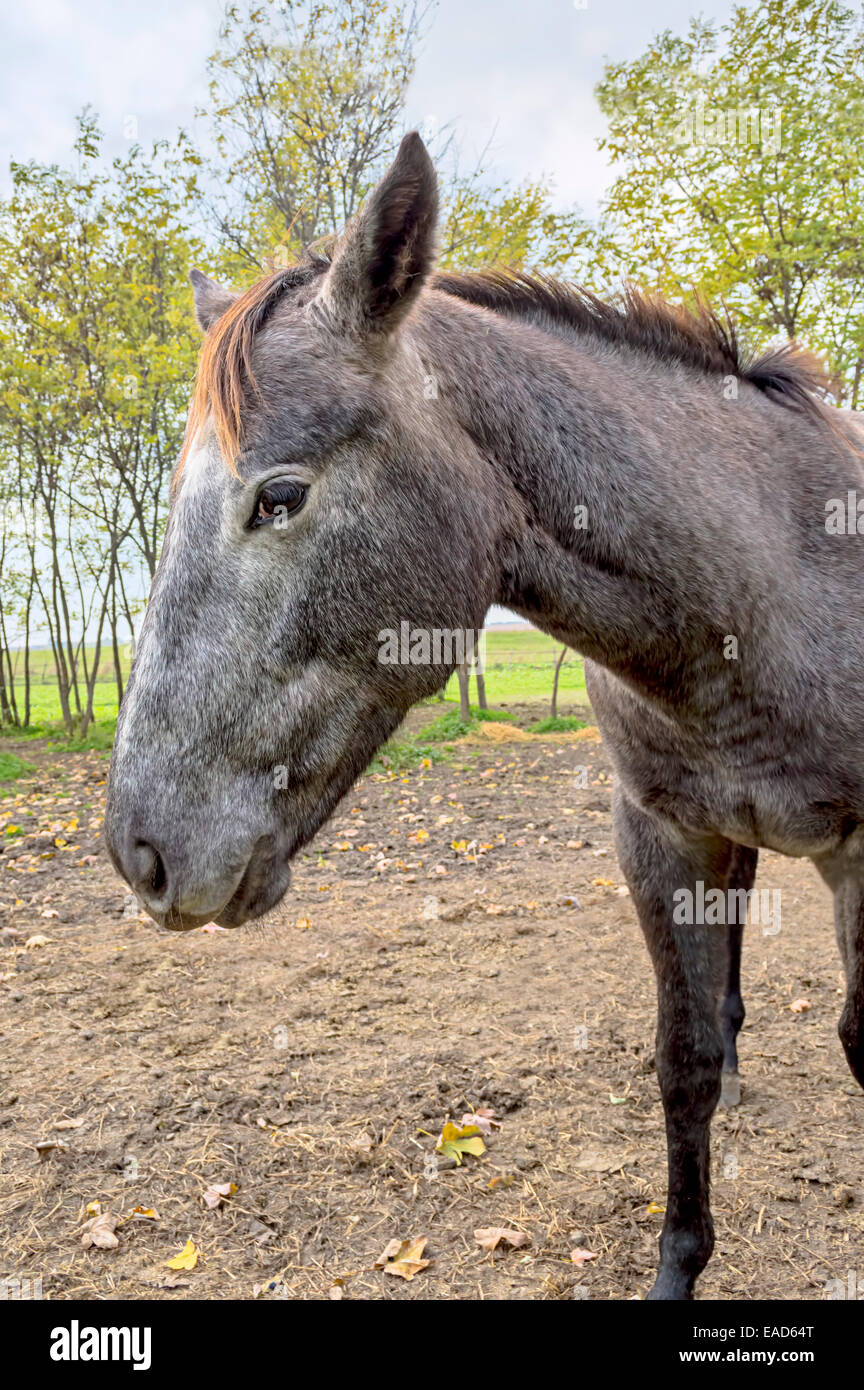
565, 426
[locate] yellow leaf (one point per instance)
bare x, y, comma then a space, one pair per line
187, 1258
403, 1257
455, 1142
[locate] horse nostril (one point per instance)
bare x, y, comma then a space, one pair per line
150, 875
158, 877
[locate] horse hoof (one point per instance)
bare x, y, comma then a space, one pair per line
730, 1090
669, 1289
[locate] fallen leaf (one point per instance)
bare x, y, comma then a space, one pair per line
69, 1124
403, 1257
99, 1231
187, 1258
33, 942
581, 1257
489, 1237
483, 1119
217, 1192
800, 1006
455, 1142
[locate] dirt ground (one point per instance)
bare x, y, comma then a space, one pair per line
457, 938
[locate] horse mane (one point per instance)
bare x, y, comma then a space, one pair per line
699, 337
225, 378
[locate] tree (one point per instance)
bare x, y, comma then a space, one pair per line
306, 108
305, 103
98, 347
739, 172
553, 707
487, 224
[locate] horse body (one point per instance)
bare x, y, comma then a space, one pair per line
699, 541
625, 480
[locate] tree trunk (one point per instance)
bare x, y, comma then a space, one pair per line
5, 707
27, 612
481, 683
554, 710
464, 695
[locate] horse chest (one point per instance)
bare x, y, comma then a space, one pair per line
749, 808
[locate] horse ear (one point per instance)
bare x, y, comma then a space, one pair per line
211, 299
386, 253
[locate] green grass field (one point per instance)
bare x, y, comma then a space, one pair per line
519, 670
45, 702
520, 667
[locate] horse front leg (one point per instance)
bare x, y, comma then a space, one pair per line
669, 879
741, 878
849, 923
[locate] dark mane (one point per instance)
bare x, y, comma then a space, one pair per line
700, 338
225, 378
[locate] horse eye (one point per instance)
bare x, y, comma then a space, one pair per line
278, 500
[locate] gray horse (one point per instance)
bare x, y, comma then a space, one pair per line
371, 443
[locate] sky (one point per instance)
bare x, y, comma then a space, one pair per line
518, 72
